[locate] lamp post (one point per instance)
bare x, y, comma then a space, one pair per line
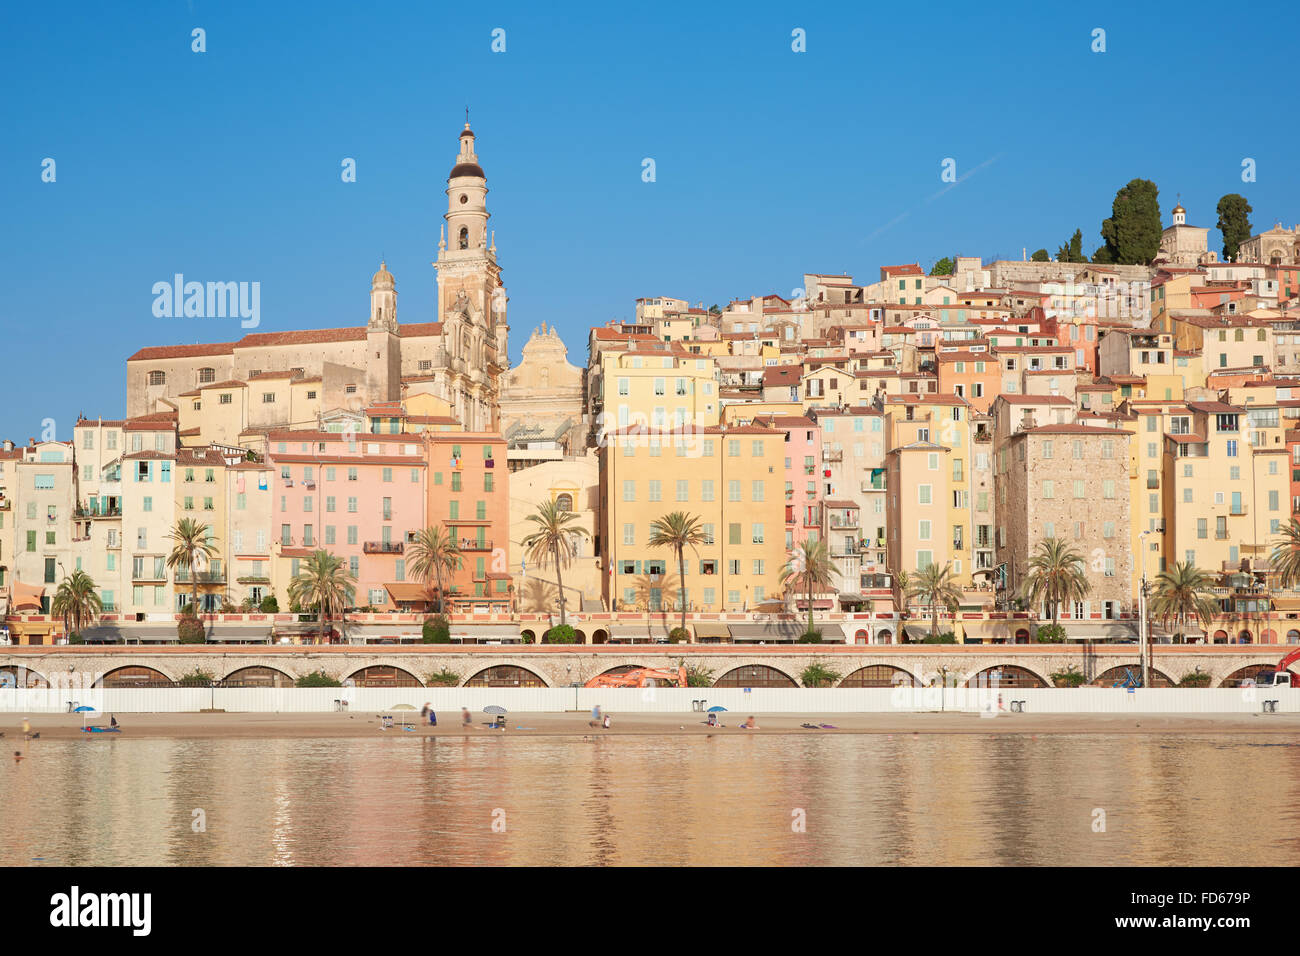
1142, 608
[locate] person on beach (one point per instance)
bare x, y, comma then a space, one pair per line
465, 718
750, 724
605, 722
424, 711
595, 717
433, 718
112, 720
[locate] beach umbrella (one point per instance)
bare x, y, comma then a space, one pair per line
83, 710
495, 710
716, 709
403, 707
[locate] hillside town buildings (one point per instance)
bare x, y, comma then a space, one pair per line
1142, 415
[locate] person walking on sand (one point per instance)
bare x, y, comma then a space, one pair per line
465, 718
605, 722
433, 718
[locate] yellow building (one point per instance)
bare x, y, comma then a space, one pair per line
1226, 484
662, 387
732, 479
931, 516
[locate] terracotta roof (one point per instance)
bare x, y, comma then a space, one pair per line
229, 383
158, 352
1018, 398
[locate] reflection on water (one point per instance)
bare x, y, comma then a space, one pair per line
903, 799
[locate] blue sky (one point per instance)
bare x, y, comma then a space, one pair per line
225, 165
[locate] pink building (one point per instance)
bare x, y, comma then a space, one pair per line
803, 464
359, 496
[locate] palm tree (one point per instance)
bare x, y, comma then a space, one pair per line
645, 585
1055, 575
77, 601
433, 554
810, 566
1182, 593
552, 542
1285, 557
190, 539
679, 531
935, 586
325, 581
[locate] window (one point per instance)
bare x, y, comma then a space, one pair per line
157, 378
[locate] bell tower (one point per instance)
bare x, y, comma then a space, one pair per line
383, 342
471, 296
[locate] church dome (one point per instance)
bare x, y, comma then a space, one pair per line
467, 132
1179, 210
466, 169
383, 279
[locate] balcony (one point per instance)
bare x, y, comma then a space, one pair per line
202, 577
383, 547
1239, 510
1221, 534
846, 521
1153, 482
473, 544
832, 454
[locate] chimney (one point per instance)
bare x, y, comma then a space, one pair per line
9, 445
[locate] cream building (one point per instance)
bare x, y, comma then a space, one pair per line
541, 403
1184, 245
574, 483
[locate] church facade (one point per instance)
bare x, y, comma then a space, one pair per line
460, 358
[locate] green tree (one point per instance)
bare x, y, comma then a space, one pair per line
1285, 556
1184, 592
433, 554
190, 540
1072, 249
76, 601
810, 566
552, 542
943, 267
1234, 223
1103, 257
678, 530
936, 586
324, 581
1132, 232
1056, 574
1040, 255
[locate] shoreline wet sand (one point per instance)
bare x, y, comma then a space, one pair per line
575, 724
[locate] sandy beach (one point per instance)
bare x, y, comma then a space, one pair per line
252, 726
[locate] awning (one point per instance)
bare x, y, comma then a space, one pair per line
102, 634
408, 591
831, 633
712, 630
918, 632
485, 633
1286, 604
771, 633
1097, 630
370, 632
637, 632
27, 596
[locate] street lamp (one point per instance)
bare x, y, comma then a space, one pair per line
1142, 608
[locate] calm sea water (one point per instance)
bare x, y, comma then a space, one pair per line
959, 799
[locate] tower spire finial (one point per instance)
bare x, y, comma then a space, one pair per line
467, 117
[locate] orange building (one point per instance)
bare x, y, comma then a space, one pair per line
973, 376
468, 491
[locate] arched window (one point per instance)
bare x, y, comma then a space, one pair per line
157, 378
564, 502
464, 237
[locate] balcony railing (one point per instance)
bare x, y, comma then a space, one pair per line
203, 577
1153, 482
473, 544
383, 547
844, 521
1239, 510
832, 454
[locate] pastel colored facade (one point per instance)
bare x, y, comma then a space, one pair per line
469, 493
1226, 483
202, 497
974, 376
148, 517
98, 445
43, 490
731, 478
659, 388
853, 484
574, 483
250, 487
1070, 483
358, 497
